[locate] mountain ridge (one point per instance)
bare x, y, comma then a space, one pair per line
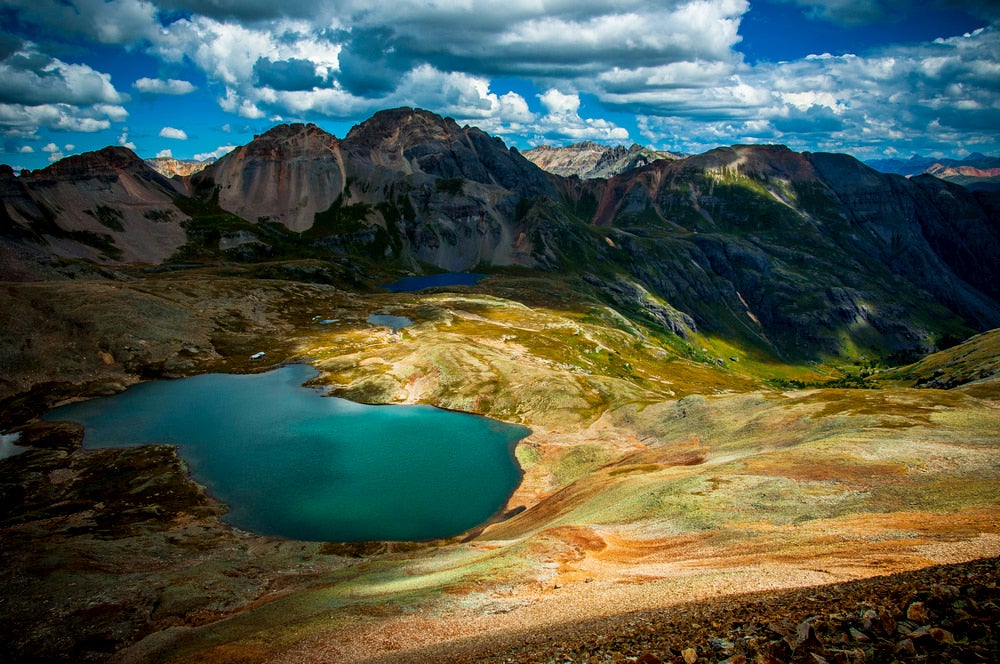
590, 160
801, 253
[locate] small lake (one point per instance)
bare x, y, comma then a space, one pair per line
293, 463
395, 322
411, 284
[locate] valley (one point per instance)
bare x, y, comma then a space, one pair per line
649, 478
749, 371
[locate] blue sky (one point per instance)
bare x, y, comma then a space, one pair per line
192, 78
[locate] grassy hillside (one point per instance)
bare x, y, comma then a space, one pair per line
659, 469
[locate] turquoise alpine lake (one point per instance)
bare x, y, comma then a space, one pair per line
291, 462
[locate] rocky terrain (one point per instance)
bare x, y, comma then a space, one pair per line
742, 447
591, 160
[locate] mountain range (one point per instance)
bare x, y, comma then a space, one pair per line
711, 357
977, 171
591, 160
799, 255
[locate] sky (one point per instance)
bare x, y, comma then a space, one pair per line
194, 78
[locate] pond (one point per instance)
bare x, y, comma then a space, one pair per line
411, 284
293, 463
395, 322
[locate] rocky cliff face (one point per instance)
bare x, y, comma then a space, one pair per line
286, 175
590, 160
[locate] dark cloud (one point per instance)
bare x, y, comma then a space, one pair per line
371, 62
856, 13
242, 10
293, 74
812, 121
9, 44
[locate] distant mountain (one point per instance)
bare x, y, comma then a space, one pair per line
170, 167
591, 160
804, 255
977, 171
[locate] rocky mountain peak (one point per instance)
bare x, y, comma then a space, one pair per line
398, 128
760, 161
289, 140
107, 161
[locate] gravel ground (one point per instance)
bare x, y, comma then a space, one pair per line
949, 613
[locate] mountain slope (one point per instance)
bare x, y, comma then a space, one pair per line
810, 251
100, 206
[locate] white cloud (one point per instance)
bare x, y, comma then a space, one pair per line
123, 140
940, 94
171, 132
167, 153
31, 78
40, 91
672, 62
370, 54
51, 147
563, 121
26, 149
171, 86
217, 153
558, 103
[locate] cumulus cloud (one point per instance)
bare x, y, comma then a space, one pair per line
171, 86
171, 132
31, 78
943, 93
673, 62
165, 154
26, 149
41, 91
22, 120
123, 140
218, 152
353, 56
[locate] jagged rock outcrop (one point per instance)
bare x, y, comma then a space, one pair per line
589, 160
